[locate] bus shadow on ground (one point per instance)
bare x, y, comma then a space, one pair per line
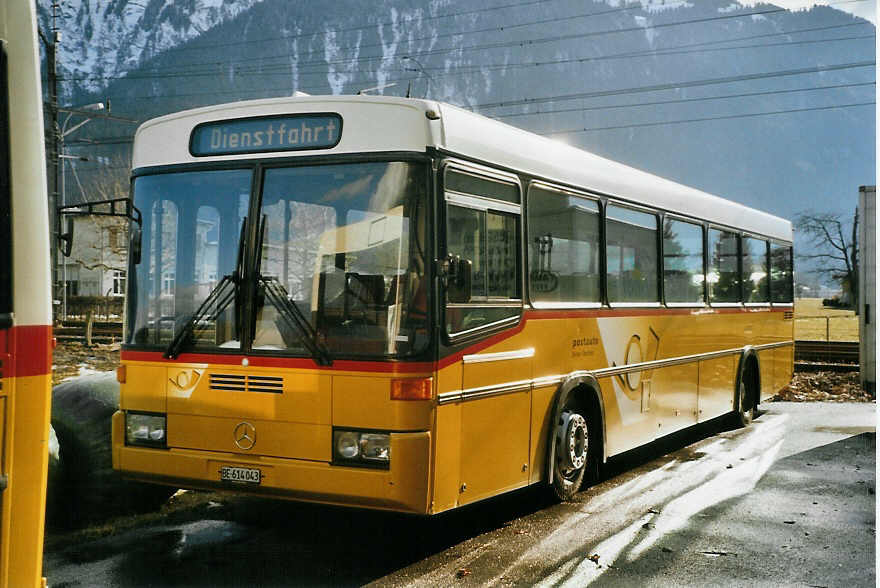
810, 519
240, 540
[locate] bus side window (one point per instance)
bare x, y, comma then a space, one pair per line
488, 238
756, 270
631, 251
780, 273
563, 245
723, 278
683, 262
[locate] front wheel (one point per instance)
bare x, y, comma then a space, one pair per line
572, 452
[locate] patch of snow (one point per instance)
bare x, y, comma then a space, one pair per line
85, 370
732, 7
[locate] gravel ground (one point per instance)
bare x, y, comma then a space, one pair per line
824, 386
74, 359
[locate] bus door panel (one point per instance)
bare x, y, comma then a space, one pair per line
495, 418
447, 440
717, 378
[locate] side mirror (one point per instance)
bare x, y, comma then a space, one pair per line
458, 282
65, 239
136, 236
117, 207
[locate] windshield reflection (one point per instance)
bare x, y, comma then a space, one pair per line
340, 269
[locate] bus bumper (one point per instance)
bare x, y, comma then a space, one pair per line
404, 487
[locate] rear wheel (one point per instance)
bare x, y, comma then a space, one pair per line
745, 405
572, 452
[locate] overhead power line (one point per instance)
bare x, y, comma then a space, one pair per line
683, 100
706, 119
481, 68
361, 47
284, 69
479, 47
373, 25
677, 85
543, 40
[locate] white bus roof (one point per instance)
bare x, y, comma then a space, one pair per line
379, 123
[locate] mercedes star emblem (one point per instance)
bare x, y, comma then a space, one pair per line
245, 435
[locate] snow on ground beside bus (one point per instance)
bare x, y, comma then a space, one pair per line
72, 359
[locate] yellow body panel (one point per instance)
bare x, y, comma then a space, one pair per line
674, 393
447, 463
363, 402
541, 423
717, 377
26, 407
144, 388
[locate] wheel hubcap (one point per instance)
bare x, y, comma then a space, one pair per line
572, 442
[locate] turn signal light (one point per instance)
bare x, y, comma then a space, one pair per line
120, 374
412, 389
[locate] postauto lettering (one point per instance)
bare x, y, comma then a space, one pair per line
277, 133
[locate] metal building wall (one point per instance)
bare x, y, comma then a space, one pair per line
868, 287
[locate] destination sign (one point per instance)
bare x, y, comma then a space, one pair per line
290, 132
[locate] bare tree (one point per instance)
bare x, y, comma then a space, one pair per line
834, 248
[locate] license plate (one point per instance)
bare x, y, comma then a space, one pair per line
240, 475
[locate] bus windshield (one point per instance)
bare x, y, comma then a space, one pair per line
339, 264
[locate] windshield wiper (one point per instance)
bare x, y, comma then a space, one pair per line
295, 319
290, 313
216, 302
223, 293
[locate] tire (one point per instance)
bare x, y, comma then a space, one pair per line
86, 489
573, 451
745, 407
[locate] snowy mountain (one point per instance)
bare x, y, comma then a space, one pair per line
103, 39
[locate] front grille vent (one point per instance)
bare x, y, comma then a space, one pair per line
246, 383
272, 384
788, 315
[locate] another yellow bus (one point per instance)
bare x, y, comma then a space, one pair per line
398, 304
25, 309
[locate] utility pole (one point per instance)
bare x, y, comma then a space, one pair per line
53, 134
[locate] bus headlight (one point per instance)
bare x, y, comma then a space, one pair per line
360, 448
145, 429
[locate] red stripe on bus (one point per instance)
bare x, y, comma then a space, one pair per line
544, 314
394, 367
281, 362
31, 350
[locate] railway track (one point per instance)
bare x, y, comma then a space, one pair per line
826, 355
102, 332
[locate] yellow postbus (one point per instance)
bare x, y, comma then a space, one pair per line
25, 304
398, 304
